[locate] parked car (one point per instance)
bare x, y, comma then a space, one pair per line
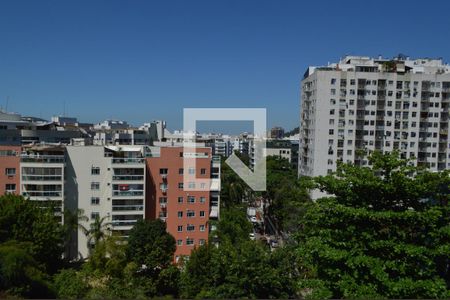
253, 219
252, 236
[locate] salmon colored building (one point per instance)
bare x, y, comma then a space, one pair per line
9, 169
186, 213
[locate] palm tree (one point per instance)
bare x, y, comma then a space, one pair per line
97, 231
72, 223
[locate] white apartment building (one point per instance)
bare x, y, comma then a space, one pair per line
362, 104
42, 176
106, 181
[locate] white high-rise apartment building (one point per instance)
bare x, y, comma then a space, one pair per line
363, 104
106, 182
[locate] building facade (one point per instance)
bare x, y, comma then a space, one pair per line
187, 213
362, 104
10, 169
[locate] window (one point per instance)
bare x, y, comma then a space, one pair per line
10, 171
163, 171
190, 227
201, 242
95, 171
95, 200
180, 214
331, 131
203, 171
179, 242
95, 185
333, 80
180, 228
331, 111
189, 242
191, 199
191, 171
190, 213
163, 200
191, 185
180, 199
10, 188
202, 227
180, 185
202, 199
181, 171
202, 213
95, 215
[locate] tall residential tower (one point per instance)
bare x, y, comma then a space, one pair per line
362, 104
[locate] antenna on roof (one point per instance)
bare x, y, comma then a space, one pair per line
7, 101
64, 108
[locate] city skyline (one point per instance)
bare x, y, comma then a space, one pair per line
148, 61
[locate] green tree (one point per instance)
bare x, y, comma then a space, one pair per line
22, 220
70, 284
229, 271
97, 231
151, 248
233, 225
20, 274
72, 223
383, 233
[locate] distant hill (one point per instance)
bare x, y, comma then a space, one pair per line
294, 131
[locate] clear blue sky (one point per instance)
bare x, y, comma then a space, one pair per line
143, 60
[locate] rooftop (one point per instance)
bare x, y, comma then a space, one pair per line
399, 64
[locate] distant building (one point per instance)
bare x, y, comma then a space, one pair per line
276, 133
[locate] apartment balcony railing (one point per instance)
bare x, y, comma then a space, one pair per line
116, 160
128, 193
49, 159
123, 223
127, 207
42, 177
42, 194
128, 177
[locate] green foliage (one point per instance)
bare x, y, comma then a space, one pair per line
229, 271
20, 274
24, 221
382, 235
149, 244
286, 196
233, 225
70, 284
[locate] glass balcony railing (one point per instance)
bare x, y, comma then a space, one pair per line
116, 160
128, 177
41, 177
127, 207
128, 193
42, 194
50, 159
124, 222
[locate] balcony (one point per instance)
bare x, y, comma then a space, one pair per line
127, 207
116, 160
215, 185
128, 177
119, 223
128, 193
43, 194
27, 177
45, 159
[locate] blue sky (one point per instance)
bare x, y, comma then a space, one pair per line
144, 60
